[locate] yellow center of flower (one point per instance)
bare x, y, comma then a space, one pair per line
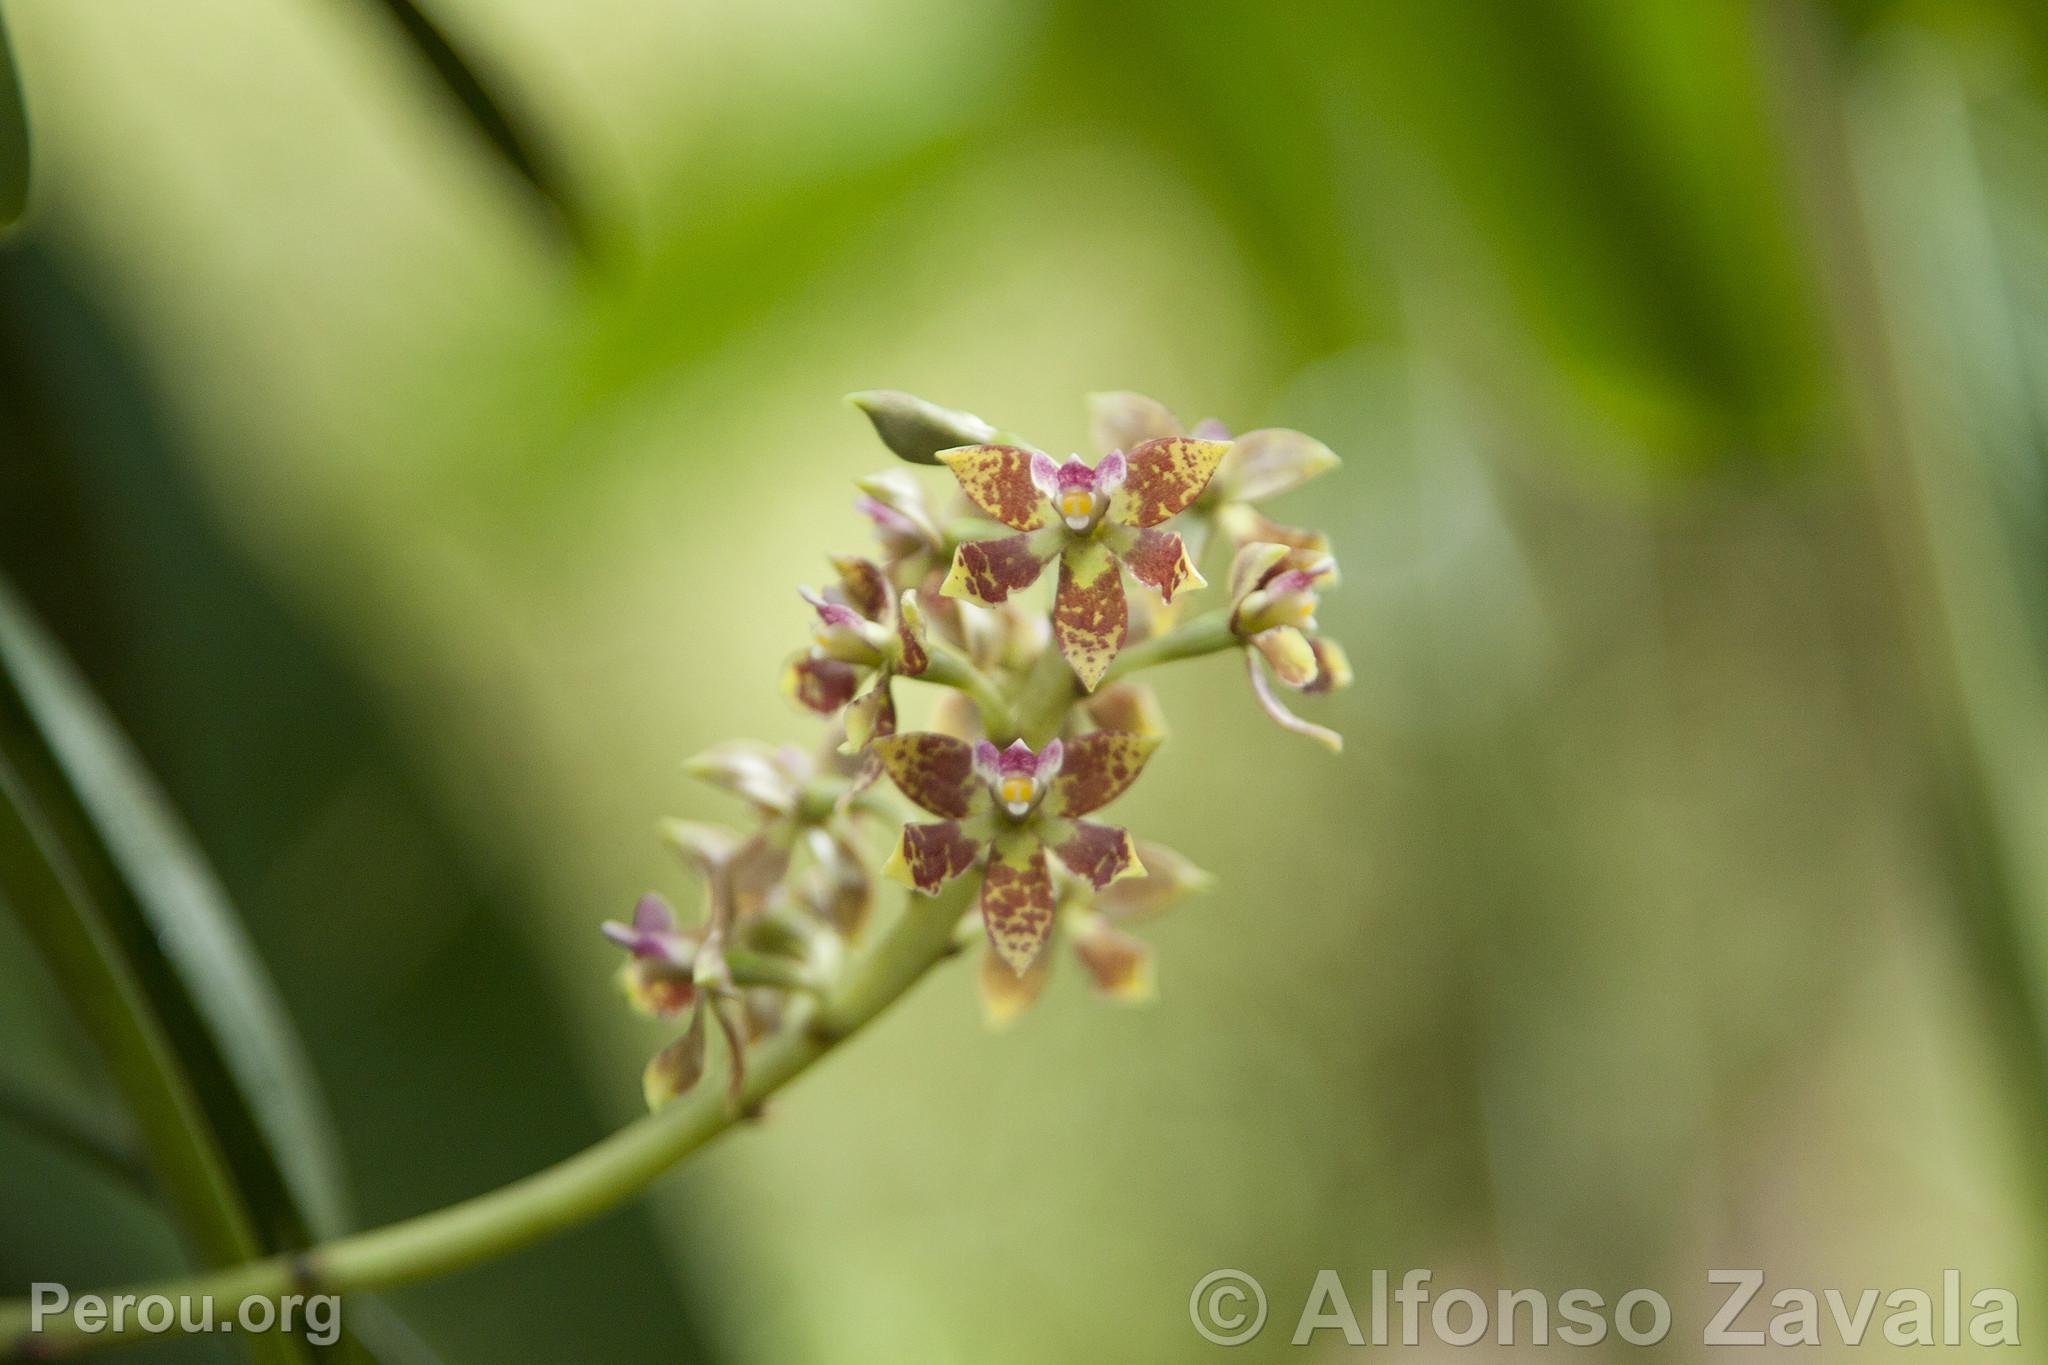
1018, 791
1077, 504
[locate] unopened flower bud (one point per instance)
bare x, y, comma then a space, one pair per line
917, 430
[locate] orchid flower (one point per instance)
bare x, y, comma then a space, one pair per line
1093, 520
1261, 464
1273, 591
867, 633
1016, 804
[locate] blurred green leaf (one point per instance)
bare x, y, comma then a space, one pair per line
489, 118
147, 953
13, 136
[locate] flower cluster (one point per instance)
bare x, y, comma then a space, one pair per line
1039, 724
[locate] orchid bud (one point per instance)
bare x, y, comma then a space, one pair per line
916, 430
843, 634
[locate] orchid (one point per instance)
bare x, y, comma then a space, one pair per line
1261, 464
1038, 724
867, 633
1097, 521
1015, 804
1273, 591
792, 954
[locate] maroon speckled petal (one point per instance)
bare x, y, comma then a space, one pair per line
1165, 477
1160, 560
998, 479
929, 856
1089, 614
935, 771
988, 571
823, 685
1100, 853
1017, 899
1098, 769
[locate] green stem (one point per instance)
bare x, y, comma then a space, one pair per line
569, 1193
1190, 639
950, 668
1051, 690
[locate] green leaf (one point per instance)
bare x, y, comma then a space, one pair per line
13, 136
143, 946
489, 118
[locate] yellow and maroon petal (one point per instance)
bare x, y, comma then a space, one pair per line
998, 479
1119, 966
1123, 420
1017, 899
1159, 560
823, 685
1163, 477
863, 585
913, 652
870, 716
988, 571
1098, 768
1089, 614
1099, 853
1004, 994
929, 856
935, 771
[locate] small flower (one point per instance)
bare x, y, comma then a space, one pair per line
801, 806
670, 970
1273, 591
1261, 464
866, 632
1016, 804
913, 548
1093, 923
1095, 520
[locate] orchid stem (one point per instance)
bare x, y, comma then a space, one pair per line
567, 1194
949, 668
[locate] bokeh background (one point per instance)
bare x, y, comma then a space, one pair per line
1681, 900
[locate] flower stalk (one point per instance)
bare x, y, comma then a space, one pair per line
776, 968
564, 1195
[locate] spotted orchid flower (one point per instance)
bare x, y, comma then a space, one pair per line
1095, 924
1273, 591
866, 634
1016, 804
1093, 520
1261, 464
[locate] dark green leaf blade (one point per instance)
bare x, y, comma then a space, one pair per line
489, 118
13, 136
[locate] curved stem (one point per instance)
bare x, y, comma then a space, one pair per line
1206, 634
571, 1192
